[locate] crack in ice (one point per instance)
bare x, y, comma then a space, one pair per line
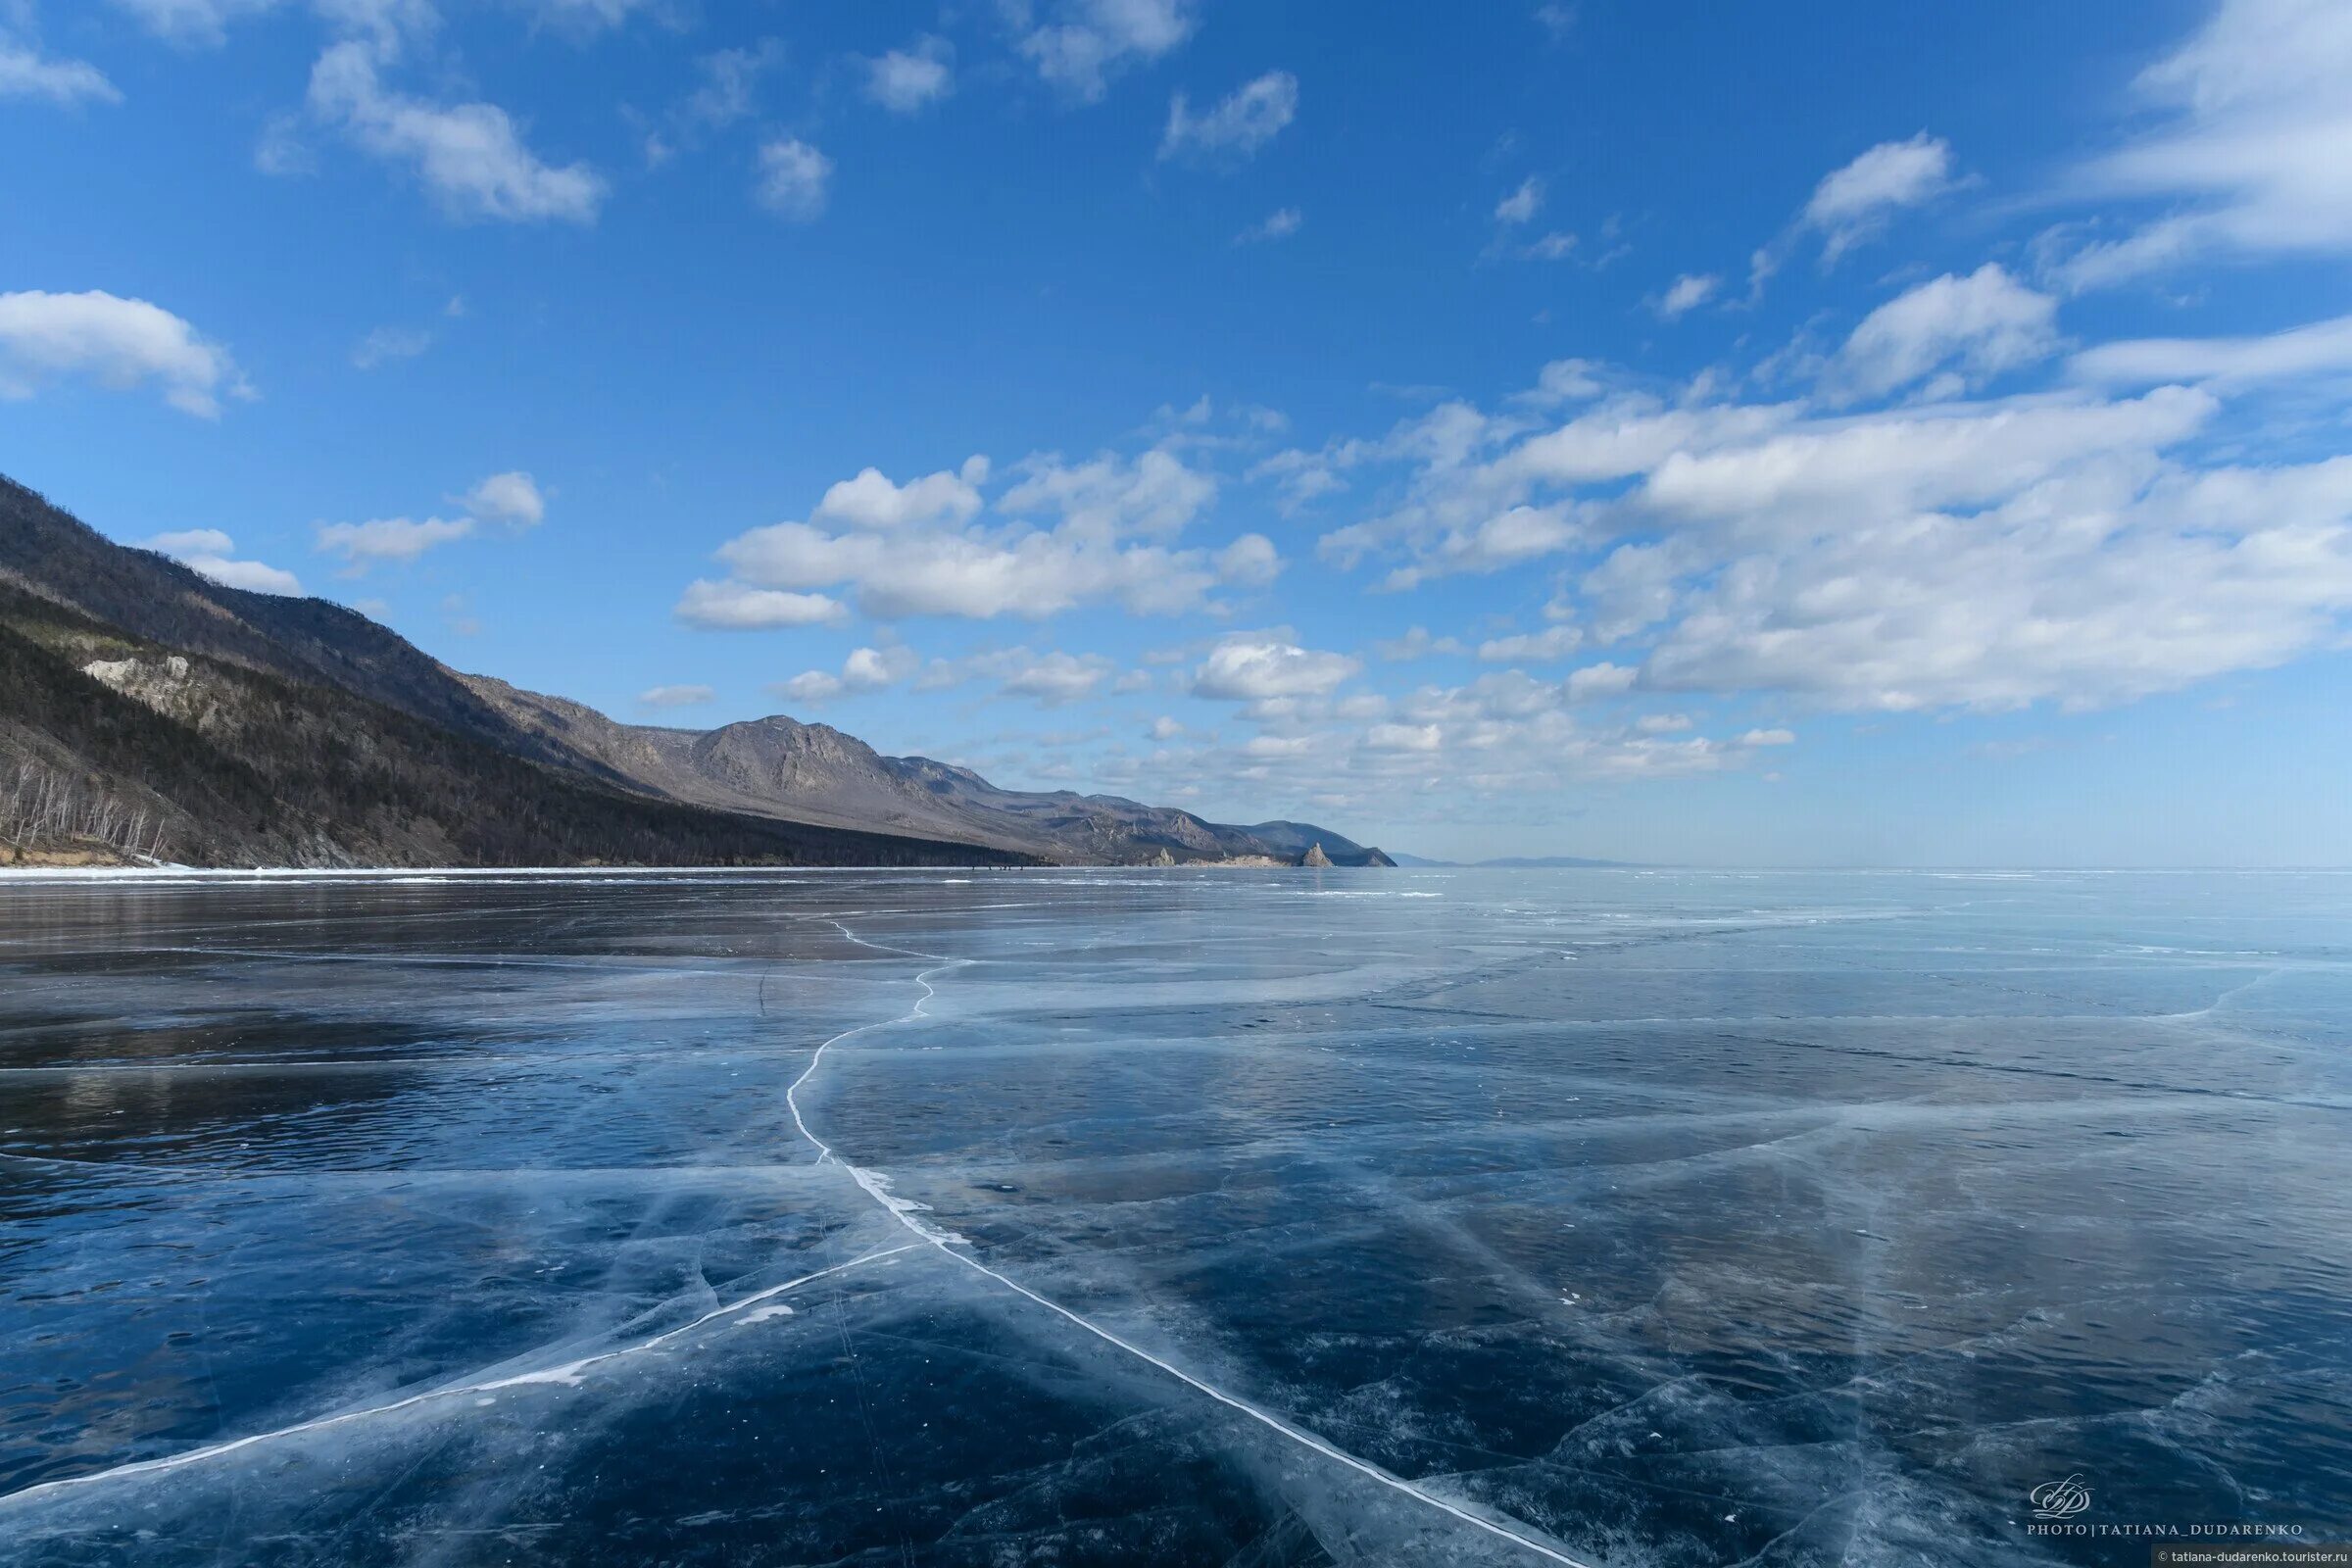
876, 1184
568, 1374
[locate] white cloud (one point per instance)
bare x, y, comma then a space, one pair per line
470, 156
1253, 668
1689, 293
1978, 325
1053, 677
1251, 560
794, 179
739, 607
730, 89
871, 501
1803, 480
1523, 204
866, 669
1553, 643
191, 542
26, 73
389, 539
1852, 204
1601, 680
2058, 545
1416, 642
2254, 121
922, 549
118, 343
1406, 738
1769, 737
1238, 125
905, 80
1567, 381
511, 499
675, 696
2319, 348
1155, 494
1280, 224
1095, 40
212, 553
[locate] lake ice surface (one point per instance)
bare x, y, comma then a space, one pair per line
1220, 1217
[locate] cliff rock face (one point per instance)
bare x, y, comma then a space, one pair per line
1314, 856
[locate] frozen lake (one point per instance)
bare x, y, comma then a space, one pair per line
1249, 1218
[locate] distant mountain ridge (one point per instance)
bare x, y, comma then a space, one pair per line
146, 710
815, 774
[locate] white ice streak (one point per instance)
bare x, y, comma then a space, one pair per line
566, 1374
877, 1186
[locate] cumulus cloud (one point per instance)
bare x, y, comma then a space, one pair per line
1088, 42
740, 607
905, 80
1236, 127
794, 179
2246, 151
1522, 204
512, 500
1250, 562
667, 697
1601, 680
212, 553
1152, 494
1253, 668
388, 540
871, 501
1853, 204
866, 669
1061, 535
2060, 545
116, 343
24, 73
1688, 293
1968, 329
470, 156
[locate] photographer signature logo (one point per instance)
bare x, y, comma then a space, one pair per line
2060, 1500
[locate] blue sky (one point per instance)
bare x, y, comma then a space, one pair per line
1661, 432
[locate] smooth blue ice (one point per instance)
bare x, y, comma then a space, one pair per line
1220, 1217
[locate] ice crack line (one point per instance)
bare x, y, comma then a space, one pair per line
876, 1184
567, 1373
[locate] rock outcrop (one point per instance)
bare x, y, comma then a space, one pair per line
1314, 856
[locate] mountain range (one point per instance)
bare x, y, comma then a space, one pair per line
149, 713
